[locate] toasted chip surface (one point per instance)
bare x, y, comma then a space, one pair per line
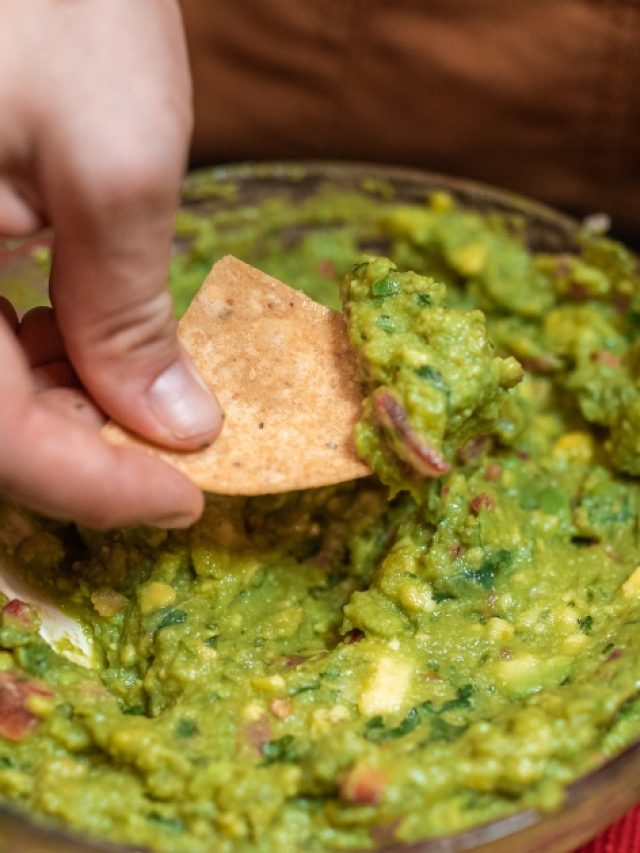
284, 373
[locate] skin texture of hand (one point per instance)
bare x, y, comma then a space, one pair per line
96, 104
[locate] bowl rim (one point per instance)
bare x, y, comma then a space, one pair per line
578, 791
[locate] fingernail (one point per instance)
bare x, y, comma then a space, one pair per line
184, 405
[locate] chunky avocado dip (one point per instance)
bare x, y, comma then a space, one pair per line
435, 647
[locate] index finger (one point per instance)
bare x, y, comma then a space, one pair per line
63, 468
109, 168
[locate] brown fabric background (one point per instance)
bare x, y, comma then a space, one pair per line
542, 96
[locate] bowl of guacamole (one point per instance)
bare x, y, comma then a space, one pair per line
441, 657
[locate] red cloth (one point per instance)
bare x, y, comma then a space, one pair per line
620, 837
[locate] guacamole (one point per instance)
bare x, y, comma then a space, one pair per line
434, 647
435, 381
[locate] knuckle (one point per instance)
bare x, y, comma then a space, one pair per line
137, 171
138, 330
136, 181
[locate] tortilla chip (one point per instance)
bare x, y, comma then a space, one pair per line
284, 373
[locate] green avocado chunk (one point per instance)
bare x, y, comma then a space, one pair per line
432, 378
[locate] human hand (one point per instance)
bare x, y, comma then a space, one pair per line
96, 105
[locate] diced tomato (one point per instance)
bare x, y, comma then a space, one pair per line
620, 303
16, 720
481, 501
577, 291
280, 708
20, 614
363, 784
492, 472
539, 364
609, 359
327, 269
432, 676
257, 733
474, 448
294, 660
353, 636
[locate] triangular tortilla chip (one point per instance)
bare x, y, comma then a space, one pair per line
284, 373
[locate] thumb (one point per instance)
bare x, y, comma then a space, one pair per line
111, 253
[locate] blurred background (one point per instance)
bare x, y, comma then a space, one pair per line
539, 97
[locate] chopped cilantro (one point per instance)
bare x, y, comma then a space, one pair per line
440, 596
486, 574
172, 617
627, 708
384, 322
426, 371
283, 750
439, 729
304, 688
377, 732
385, 287
462, 700
585, 623
173, 823
331, 673
186, 728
